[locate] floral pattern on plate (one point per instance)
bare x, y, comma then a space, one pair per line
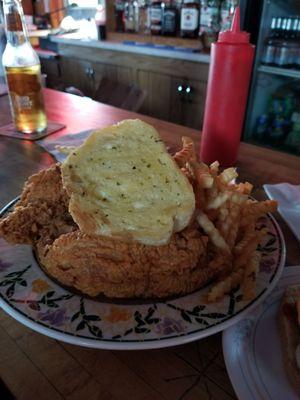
35, 300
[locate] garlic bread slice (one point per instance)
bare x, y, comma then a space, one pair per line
123, 183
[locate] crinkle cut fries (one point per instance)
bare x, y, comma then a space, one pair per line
228, 217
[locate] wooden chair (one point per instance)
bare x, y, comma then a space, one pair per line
120, 95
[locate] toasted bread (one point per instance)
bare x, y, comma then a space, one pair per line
123, 183
290, 333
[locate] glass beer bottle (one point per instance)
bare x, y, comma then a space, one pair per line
23, 73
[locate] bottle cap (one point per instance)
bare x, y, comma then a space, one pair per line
234, 35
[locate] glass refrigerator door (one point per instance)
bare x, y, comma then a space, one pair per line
273, 111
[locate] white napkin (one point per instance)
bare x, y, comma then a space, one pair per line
74, 139
288, 197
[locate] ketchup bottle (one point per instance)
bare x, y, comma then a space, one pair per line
228, 84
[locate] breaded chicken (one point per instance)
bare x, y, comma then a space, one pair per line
101, 265
41, 212
96, 264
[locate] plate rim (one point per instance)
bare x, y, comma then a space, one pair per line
117, 344
231, 369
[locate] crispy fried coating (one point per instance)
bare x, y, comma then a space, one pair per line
100, 265
95, 264
41, 212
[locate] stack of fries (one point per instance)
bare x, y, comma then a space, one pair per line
228, 217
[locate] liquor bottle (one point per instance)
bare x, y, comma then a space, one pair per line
100, 20
209, 22
156, 14
23, 72
169, 18
119, 15
144, 26
189, 19
131, 16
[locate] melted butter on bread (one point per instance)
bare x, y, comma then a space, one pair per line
122, 182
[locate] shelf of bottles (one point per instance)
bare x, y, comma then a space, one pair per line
200, 20
290, 73
282, 46
276, 111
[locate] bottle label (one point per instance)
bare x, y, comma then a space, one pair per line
14, 23
189, 19
283, 56
269, 55
24, 88
156, 14
26, 98
169, 21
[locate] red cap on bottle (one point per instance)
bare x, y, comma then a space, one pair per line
234, 35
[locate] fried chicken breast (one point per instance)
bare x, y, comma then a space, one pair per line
41, 212
95, 264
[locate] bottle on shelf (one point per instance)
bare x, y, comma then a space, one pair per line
119, 15
144, 25
169, 18
131, 16
23, 72
272, 42
189, 19
226, 13
209, 22
274, 126
297, 64
292, 141
283, 56
156, 15
100, 20
295, 44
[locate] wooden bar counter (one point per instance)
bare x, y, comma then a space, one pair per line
33, 366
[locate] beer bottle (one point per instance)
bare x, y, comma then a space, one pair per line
119, 15
23, 72
271, 43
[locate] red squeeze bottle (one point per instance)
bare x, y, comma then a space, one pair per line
227, 90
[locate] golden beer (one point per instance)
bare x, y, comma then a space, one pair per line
26, 98
23, 72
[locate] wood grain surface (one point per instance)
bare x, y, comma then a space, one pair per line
33, 366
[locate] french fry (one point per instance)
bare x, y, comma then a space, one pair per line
202, 175
212, 232
254, 210
214, 168
248, 285
249, 234
188, 143
186, 154
228, 175
248, 249
218, 200
218, 291
228, 217
245, 188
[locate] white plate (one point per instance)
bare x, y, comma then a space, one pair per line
252, 349
33, 299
